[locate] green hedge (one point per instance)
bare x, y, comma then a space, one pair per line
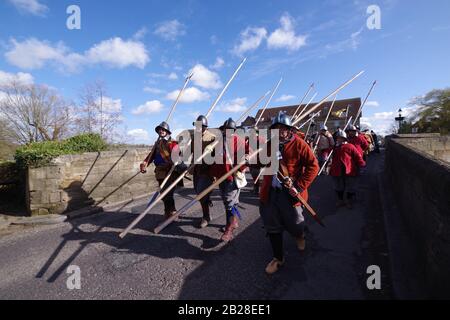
39, 154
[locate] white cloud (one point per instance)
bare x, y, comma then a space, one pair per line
33, 7
115, 52
109, 104
351, 43
33, 53
138, 134
119, 53
372, 104
140, 33
153, 106
20, 78
153, 90
218, 64
384, 115
285, 97
233, 106
170, 30
250, 39
285, 37
205, 78
172, 76
189, 95
384, 122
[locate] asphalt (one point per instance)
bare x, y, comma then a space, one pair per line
184, 262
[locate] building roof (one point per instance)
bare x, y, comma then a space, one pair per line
338, 112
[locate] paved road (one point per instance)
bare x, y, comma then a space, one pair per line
175, 264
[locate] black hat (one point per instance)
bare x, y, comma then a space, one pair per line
163, 126
229, 124
283, 119
203, 119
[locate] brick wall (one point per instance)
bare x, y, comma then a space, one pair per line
75, 181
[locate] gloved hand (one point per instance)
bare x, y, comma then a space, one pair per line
143, 167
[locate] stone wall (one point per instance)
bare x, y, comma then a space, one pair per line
72, 182
421, 186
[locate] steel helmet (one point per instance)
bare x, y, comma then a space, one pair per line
341, 134
203, 120
351, 128
323, 127
283, 119
163, 126
229, 124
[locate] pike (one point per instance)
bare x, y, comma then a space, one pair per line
187, 206
325, 122
365, 100
268, 101
327, 97
208, 150
237, 167
155, 195
175, 103
252, 107
189, 77
331, 153
306, 122
306, 106
311, 121
303, 201
301, 102
225, 88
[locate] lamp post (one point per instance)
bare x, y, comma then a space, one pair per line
400, 120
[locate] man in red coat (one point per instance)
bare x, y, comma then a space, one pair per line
233, 148
356, 139
279, 207
162, 160
347, 161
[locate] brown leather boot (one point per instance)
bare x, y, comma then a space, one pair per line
274, 266
228, 234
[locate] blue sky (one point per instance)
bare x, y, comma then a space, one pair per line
142, 50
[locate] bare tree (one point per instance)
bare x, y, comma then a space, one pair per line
33, 113
99, 113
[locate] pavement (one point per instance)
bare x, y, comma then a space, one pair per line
178, 263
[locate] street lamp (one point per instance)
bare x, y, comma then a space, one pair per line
399, 119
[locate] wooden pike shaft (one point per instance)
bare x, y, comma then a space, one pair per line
178, 97
204, 193
252, 107
208, 149
365, 100
268, 101
303, 201
309, 120
303, 99
305, 107
327, 97
329, 111
225, 88
259, 175
331, 153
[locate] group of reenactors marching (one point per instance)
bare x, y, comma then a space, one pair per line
279, 193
